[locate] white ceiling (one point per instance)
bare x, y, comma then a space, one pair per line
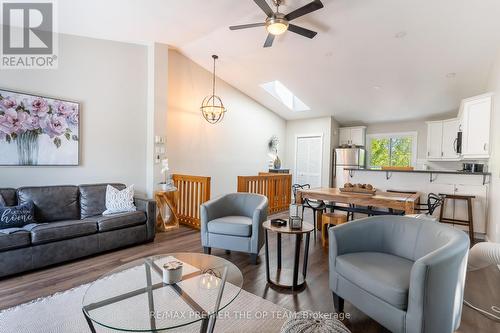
354, 69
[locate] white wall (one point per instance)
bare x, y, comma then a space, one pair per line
235, 147
109, 79
325, 126
493, 231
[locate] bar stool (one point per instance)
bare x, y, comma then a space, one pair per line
470, 219
330, 219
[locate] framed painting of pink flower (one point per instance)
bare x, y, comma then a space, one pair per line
36, 130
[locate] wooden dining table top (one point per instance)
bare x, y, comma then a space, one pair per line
379, 199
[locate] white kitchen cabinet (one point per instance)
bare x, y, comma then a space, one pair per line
441, 140
475, 121
352, 136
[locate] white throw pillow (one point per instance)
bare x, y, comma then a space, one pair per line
119, 201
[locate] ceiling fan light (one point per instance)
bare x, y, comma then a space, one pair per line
276, 25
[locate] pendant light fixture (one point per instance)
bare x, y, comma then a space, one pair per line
212, 108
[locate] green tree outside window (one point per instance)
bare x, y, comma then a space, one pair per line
395, 151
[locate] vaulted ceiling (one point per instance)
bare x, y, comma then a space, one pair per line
372, 60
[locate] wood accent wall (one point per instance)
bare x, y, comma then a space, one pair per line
276, 187
193, 191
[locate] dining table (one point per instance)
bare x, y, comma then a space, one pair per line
405, 202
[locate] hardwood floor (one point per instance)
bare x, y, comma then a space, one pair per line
481, 287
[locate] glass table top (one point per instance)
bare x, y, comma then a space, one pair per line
134, 298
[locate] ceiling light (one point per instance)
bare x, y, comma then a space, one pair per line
212, 108
276, 25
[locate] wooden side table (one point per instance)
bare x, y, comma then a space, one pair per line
165, 202
286, 278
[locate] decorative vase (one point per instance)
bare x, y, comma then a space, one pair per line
277, 162
27, 148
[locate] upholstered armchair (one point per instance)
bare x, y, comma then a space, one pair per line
234, 222
407, 274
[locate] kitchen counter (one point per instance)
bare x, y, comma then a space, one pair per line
430, 172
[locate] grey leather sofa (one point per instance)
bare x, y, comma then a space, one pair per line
408, 274
71, 226
234, 222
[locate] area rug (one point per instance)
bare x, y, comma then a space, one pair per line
62, 313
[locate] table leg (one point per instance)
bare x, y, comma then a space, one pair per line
296, 262
150, 296
278, 238
267, 257
89, 322
306, 256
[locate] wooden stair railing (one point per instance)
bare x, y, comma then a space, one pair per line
193, 191
276, 187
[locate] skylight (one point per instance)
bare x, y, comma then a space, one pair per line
285, 96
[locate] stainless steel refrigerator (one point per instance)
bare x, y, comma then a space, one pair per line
346, 158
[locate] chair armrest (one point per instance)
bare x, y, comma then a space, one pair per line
149, 207
436, 288
259, 217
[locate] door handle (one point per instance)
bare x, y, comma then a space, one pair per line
455, 145
484, 147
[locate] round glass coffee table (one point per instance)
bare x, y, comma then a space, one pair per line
133, 297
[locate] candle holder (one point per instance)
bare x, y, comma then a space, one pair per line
172, 272
296, 216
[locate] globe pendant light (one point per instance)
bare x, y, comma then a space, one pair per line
212, 108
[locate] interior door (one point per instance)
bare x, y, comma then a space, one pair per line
434, 140
309, 160
450, 130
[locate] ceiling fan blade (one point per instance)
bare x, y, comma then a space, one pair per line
269, 40
265, 7
310, 7
246, 26
302, 31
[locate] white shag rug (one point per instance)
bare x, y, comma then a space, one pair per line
62, 313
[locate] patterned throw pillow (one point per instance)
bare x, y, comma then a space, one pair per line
17, 216
119, 201
2, 202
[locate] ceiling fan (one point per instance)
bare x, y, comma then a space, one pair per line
277, 23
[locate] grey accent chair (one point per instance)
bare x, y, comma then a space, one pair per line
234, 222
407, 274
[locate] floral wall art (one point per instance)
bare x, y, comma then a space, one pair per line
35, 130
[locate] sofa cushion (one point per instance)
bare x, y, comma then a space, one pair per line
231, 225
383, 275
93, 198
56, 231
52, 203
118, 221
9, 196
14, 240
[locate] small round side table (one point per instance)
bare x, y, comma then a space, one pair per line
165, 201
287, 278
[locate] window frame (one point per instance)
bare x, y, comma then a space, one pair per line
414, 146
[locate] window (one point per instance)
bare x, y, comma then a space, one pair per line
284, 95
399, 149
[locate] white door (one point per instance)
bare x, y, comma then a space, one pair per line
477, 128
434, 140
449, 145
309, 160
344, 136
358, 136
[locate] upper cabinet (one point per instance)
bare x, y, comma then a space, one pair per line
475, 122
352, 136
442, 140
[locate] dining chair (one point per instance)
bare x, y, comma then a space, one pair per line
429, 207
314, 205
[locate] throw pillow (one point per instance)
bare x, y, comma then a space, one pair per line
17, 216
119, 201
2, 202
